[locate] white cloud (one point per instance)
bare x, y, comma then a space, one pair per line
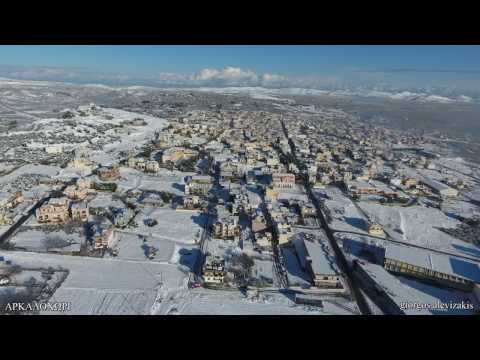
229, 76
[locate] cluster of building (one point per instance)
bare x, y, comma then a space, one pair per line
8, 202
142, 164
60, 210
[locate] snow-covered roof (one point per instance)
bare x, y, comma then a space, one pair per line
318, 255
393, 288
442, 263
436, 185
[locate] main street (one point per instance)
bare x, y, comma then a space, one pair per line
341, 260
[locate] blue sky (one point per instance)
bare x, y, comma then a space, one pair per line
312, 66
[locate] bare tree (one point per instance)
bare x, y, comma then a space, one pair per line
55, 242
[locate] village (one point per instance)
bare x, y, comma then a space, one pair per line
315, 206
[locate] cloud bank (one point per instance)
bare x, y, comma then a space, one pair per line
226, 77
353, 82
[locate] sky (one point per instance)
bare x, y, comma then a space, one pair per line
452, 68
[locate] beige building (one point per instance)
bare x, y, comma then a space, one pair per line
410, 182
143, 165
109, 173
308, 210
54, 149
9, 201
177, 154
213, 271
84, 183
283, 181
198, 185
271, 194
104, 236
259, 223
5, 218
376, 230
152, 166
227, 228
81, 164
73, 192
54, 211
264, 240
79, 211
284, 233
191, 202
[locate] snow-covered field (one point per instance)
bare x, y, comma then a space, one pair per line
207, 302
183, 227
345, 216
420, 225
261, 92
164, 180
132, 247
45, 170
37, 240
105, 286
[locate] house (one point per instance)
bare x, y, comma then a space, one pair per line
228, 171
308, 210
73, 192
105, 186
191, 202
259, 223
178, 154
410, 182
284, 232
376, 230
143, 164
271, 194
264, 239
81, 164
198, 185
54, 149
103, 236
9, 201
110, 173
227, 228
79, 211
84, 183
122, 217
272, 161
136, 163
213, 270
5, 218
54, 211
152, 200
283, 181
152, 166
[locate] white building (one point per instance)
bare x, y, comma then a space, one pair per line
54, 149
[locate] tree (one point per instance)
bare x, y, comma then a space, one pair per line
55, 242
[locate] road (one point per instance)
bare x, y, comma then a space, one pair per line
340, 257
197, 268
278, 266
